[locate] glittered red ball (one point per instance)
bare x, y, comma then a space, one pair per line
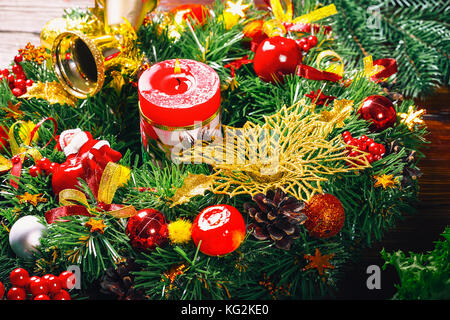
220, 228
325, 215
275, 58
380, 111
147, 230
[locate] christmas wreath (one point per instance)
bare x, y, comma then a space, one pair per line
226, 152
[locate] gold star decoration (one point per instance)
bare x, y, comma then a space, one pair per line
319, 261
237, 8
95, 225
13, 110
412, 117
385, 181
34, 199
32, 53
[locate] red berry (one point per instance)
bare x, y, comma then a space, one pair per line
20, 83
42, 297
21, 75
11, 78
17, 68
382, 149
376, 157
38, 286
16, 293
363, 138
18, 58
29, 82
19, 277
305, 47
5, 72
374, 149
62, 295
369, 158
302, 41
52, 168
44, 163
2, 290
67, 279
16, 92
312, 40
53, 283
369, 141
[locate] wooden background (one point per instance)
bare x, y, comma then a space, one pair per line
22, 21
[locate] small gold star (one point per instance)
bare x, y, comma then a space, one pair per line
13, 110
385, 181
412, 117
237, 8
34, 199
95, 225
319, 261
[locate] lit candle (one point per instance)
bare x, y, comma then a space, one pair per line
179, 102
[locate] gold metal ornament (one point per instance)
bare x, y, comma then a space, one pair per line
81, 60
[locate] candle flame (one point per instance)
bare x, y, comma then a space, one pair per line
177, 68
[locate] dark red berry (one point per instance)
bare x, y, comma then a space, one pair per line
38, 286
67, 279
18, 58
42, 297
19, 277
5, 72
16, 92
29, 82
53, 283
44, 163
20, 83
35, 171
16, 293
62, 295
312, 40
305, 47
11, 78
17, 68
369, 158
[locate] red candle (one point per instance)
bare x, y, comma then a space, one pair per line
179, 100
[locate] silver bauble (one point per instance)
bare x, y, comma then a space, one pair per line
25, 235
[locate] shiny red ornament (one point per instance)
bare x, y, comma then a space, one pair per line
19, 277
195, 12
325, 215
276, 57
380, 111
147, 229
62, 295
221, 230
16, 293
67, 280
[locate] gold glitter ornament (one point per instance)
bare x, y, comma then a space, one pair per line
53, 92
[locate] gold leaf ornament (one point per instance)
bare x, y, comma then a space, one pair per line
53, 92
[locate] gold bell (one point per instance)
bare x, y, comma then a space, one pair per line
80, 61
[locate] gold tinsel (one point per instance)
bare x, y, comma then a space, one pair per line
52, 92
289, 151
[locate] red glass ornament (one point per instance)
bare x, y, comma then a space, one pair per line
220, 228
325, 214
53, 283
147, 230
2, 290
42, 297
16, 293
19, 277
380, 111
38, 286
67, 280
275, 58
62, 295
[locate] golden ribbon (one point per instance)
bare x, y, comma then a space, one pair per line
369, 68
113, 177
276, 26
337, 67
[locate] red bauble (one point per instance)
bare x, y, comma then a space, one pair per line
220, 228
16, 293
195, 12
325, 214
53, 283
2, 290
62, 295
67, 280
38, 286
275, 58
19, 277
380, 111
147, 230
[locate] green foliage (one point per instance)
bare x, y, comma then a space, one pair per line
423, 276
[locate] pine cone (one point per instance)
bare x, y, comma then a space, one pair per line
410, 171
120, 282
277, 216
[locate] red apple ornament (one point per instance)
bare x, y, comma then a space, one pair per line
380, 111
220, 228
276, 57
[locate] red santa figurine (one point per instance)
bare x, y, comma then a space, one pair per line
86, 159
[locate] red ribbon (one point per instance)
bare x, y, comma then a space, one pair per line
311, 73
390, 68
236, 64
55, 214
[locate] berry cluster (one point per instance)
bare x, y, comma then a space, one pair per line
376, 150
307, 43
48, 287
17, 80
45, 165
